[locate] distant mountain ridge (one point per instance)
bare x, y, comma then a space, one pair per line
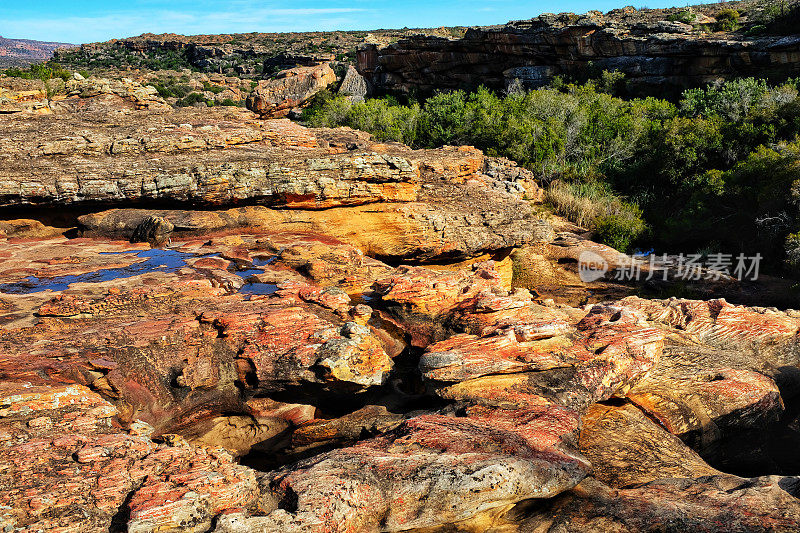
20, 52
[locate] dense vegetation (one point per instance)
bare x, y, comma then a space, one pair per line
39, 71
120, 56
717, 171
52, 75
779, 18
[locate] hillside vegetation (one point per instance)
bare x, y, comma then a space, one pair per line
715, 171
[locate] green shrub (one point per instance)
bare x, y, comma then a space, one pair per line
40, 71
194, 98
732, 100
687, 17
757, 29
620, 231
792, 249
612, 82
727, 20
210, 87
592, 204
171, 88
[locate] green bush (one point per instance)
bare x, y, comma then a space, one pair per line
619, 231
194, 98
687, 17
755, 30
716, 167
592, 204
547, 130
210, 87
727, 20
172, 87
792, 249
39, 71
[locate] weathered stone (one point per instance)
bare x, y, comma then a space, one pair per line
431, 470
153, 229
655, 56
290, 88
354, 86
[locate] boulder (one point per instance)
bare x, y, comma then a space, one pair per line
354, 86
290, 88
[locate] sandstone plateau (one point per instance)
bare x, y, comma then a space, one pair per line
215, 322
656, 55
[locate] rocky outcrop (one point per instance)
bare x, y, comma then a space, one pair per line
270, 364
257, 382
289, 89
249, 55
354, 86
644, 478
657, 57
32, 96
387, 199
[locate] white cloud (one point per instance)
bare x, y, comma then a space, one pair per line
90, 29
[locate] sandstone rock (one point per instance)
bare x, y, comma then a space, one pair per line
626, 448
116, 394
440, 469
705, 504
154, 230
645, 479
725, 370
144, 97
354, 86
290, 88
272, 368
656, 56
449, 204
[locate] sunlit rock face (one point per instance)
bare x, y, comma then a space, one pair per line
170, 387
339, 344
289, 89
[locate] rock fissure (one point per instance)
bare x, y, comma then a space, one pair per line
339, 340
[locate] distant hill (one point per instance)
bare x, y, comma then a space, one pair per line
20, 52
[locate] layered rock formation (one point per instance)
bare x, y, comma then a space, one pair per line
136, 383
657, 56
250, 55
451, 203
318, 332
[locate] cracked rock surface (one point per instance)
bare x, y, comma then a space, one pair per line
355, 355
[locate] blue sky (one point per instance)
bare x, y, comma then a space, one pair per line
81, 21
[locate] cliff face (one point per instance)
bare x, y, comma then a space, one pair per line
655, 55
243, 54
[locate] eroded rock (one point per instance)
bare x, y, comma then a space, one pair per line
289, 89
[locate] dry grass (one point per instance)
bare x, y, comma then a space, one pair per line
582, 204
